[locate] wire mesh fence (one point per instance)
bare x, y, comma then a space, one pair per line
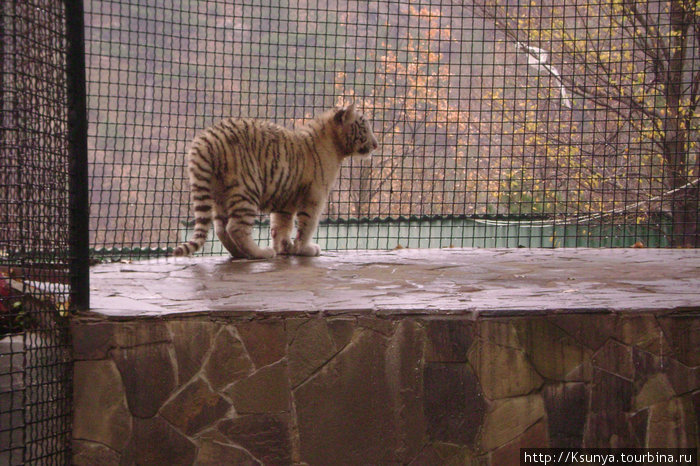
35, 254
500, 124
537, 124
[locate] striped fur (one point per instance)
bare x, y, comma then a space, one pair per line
240, 167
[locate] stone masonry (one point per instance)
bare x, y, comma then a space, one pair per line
409, 357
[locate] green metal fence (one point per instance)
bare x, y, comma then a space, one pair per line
456, 232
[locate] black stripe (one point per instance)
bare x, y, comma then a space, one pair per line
199, 177
216, 136
243, 221
196, 164
237, 198
239, 212
210, 147
199, 188
222, 148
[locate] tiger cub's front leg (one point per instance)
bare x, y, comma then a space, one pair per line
307, 221
281, 224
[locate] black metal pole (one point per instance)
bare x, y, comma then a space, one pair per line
77, 127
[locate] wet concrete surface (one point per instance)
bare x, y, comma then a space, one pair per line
470, 282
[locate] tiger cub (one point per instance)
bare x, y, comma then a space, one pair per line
240, 167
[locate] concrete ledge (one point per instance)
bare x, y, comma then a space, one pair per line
410, 357
409, 281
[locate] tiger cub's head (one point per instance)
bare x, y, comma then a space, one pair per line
355, 132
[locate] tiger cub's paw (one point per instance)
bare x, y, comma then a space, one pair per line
264, 253
284, 247
310, 249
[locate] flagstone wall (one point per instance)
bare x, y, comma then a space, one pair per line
361, 389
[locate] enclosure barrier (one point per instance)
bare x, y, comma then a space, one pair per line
415, 356
547, 125
528, 124
44, 228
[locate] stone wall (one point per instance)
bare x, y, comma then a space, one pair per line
346, 389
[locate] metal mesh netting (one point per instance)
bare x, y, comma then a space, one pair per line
500, 124
518, 124
35, 361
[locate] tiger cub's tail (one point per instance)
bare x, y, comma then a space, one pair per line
202, 201
201, 230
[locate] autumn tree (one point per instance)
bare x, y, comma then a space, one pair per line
631, 70
421, 170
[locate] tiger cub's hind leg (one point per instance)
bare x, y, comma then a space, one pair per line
226, 241
240, 229
307, 221
281, 224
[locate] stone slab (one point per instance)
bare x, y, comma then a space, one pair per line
405, 282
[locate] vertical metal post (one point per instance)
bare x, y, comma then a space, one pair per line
77, 127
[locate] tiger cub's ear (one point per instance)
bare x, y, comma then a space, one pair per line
345, 114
